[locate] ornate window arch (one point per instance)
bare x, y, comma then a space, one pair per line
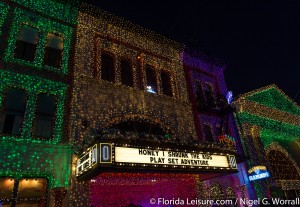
282, 165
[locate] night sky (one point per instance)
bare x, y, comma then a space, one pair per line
258, 40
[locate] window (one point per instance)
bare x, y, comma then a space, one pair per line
107, 67
208, 133
45, 116
53, 51
27, 43
126, 73
151, 79
166, 83
199, 95
13, 112
209, 94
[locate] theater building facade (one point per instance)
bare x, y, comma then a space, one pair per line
270, 128
214, 119
35, 47
132, 120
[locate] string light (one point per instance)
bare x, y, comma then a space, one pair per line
274, 97
44, 26
34, 86
267, 115
99, 104
114, 103
3, 12
27, 157
65, 10
132, 188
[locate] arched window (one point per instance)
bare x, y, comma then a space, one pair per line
26, 44
210, 95
208, 133
151, 79
166, 83
44, 120
13, 112
107, 67
281, 166
126, 73
200, 101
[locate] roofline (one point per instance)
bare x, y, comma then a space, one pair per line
244, 95
128, 25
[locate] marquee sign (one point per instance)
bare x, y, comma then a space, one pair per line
258, 172
109, 155
161, 157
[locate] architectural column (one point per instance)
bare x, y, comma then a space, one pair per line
117, 66
59, 194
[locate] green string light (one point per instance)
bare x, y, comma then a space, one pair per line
65, 11
25, 155
276, 99
30, 159
3, 13
34, 86
276, 118
45, 26
271, 127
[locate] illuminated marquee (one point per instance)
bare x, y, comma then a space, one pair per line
258, 172
87, 160
108, 155
160, 157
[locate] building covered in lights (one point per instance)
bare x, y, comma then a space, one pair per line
35, 47
214, 120
132, 121
269, 123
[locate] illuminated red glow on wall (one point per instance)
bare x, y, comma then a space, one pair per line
122, 189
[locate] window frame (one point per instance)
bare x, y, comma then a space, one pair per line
4, 8
45, 26
37, 44
155, 78
113, 67
212, 93
34, 85
211, 130
201, 103
53, 121
170, 76
62, 51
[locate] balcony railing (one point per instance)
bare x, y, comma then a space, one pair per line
210, 104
